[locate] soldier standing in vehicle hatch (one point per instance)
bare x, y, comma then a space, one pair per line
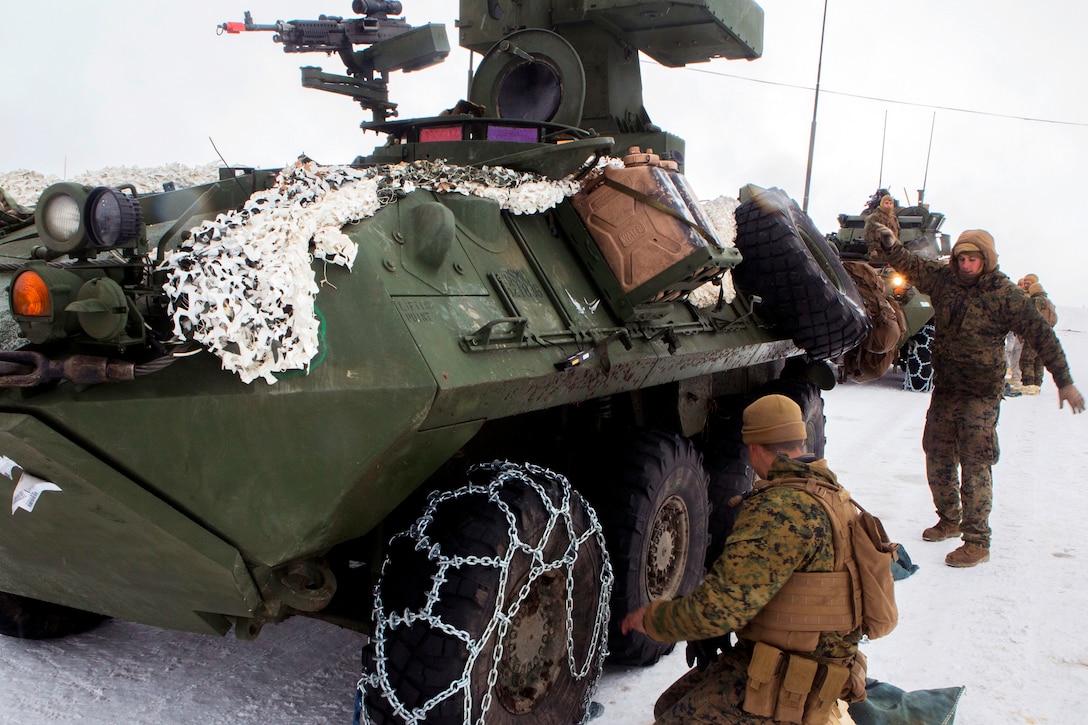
884, 214
975, 306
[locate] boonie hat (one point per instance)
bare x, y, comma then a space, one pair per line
773, 419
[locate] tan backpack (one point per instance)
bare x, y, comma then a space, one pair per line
1049, 313
880, 348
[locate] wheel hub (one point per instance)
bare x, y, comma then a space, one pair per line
668, 554
534, 647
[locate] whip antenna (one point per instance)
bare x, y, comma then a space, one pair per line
925, 176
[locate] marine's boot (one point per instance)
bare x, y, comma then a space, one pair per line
1030, 389
967, 555
943, 530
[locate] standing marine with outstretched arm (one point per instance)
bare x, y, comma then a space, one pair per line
975, 306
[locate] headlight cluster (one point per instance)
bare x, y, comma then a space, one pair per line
52, 304
82, 221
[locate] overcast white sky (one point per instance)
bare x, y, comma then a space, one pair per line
138, 83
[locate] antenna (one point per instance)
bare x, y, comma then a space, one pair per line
883, 138
925, 176
815, 104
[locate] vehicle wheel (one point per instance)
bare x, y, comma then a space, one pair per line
916, 359
28, 618
807, 396
654, 511
802, 283
492, 607
731, 475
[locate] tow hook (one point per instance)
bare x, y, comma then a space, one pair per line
25, 369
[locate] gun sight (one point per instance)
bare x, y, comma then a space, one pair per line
377, 8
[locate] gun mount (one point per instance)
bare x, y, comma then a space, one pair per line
394, 45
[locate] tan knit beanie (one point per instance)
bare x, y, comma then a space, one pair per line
773, 419
1035, 289
1033, 278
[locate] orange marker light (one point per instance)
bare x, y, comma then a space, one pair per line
30, 296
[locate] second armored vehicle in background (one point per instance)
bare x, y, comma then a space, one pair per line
920, 231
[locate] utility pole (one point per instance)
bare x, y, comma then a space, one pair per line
815, 104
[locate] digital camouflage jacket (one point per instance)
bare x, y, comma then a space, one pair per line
778, 531
971, 322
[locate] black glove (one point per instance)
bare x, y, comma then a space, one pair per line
702, 653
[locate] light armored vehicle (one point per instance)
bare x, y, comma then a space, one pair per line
920, 231
458, 394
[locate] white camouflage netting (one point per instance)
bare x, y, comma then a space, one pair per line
26, 186
243, 285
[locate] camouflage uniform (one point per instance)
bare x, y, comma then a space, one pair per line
971, 322
1031, 367
778, 531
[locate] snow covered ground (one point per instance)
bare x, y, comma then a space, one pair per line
1009, 630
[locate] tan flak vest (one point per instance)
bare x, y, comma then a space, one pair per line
812, 603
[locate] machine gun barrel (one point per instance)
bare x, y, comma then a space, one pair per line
330, 33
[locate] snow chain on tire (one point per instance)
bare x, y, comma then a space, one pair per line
803, 285
916, 357
465, 631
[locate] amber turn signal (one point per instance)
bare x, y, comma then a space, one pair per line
30, 296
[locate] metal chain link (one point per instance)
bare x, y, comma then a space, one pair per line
560, 514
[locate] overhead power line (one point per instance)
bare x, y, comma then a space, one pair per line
885, 100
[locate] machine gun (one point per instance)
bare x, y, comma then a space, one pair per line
394, 45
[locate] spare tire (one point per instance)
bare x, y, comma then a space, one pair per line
804, 288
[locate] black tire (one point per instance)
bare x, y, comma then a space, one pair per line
807, 396
727, 457
804, 287
654, 511
28, 618
731, 474
512, 568
916, 359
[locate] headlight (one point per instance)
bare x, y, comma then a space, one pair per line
80, 221
60, 217
114, 218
